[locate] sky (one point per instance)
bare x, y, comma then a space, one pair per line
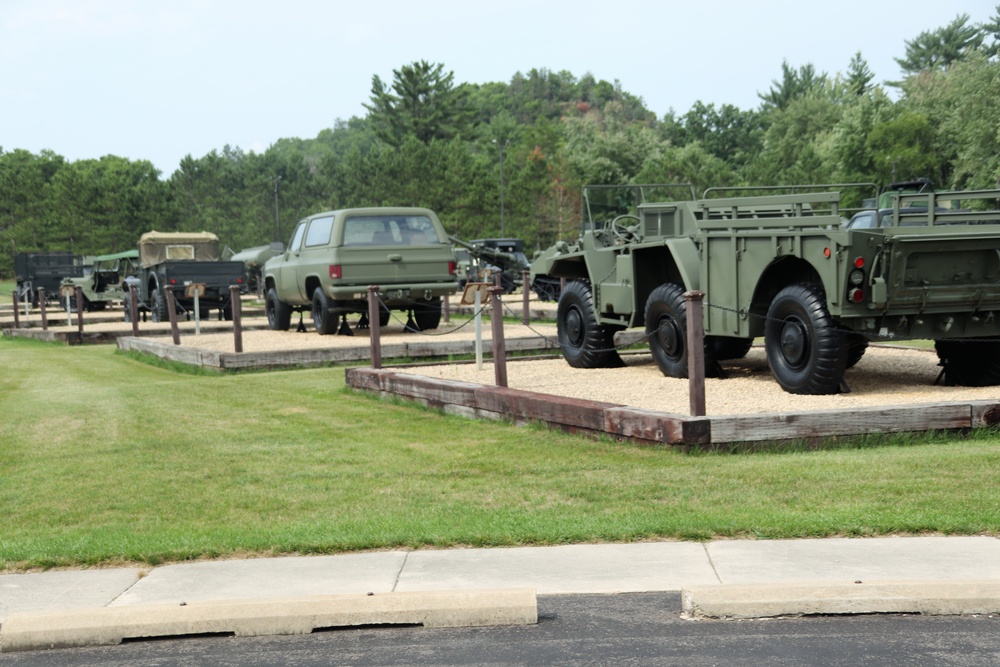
156, 81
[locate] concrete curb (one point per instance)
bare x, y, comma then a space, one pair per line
278, 616
800, 599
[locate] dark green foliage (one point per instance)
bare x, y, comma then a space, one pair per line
937, 49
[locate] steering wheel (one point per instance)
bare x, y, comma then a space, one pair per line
620, 230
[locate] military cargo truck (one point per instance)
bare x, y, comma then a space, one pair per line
785, 268
179, 261
333, 258
47, 270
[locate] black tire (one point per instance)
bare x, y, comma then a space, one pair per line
324, 320
730, 348
227, 313
158, 308
546, 288
666, 328
279, 315
584, 342
806, 351
383, 316
97, 305
427, 313
856, 346
969, 363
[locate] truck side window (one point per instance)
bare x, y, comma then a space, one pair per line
297, 237
319, 232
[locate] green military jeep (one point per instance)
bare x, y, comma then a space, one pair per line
104, 282
333, 258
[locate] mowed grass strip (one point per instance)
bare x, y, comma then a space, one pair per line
106, 460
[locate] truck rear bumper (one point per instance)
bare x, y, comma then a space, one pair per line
390, 294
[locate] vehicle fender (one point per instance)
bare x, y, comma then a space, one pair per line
685, 254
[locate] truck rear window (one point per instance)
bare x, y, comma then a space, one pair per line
389, 230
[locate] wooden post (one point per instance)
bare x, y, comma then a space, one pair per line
172, 315
499, 347
696, 352
42, 304
133, 308
17, 320
375, 326
236, 305
78, 294
525, 294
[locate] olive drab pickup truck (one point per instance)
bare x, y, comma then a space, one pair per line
333, 258
787, 268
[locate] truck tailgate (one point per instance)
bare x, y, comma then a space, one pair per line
934, 271
213, 274
395, 265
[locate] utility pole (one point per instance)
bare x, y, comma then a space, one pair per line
277, 224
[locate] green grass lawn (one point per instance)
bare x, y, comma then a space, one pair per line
105, 460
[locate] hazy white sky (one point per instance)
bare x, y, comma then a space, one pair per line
159, 80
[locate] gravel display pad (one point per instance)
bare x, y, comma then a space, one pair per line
886, 376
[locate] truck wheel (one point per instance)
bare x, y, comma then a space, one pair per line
159, 307
969, 363
584, 343
128, 306
856, 346
730, 348
546, 288
427, 313
279, 315
324, 321
666, 328
806, 351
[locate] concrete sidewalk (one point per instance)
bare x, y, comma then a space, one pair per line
795, 571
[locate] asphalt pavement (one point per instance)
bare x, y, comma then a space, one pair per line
717, 579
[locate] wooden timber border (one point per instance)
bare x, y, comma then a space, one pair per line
326, 356
651, 427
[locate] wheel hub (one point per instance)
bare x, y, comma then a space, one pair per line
794, 342
669, 336
574, 327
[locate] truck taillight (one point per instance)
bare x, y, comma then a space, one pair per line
335, 271
173, 281
452, 267
856, 295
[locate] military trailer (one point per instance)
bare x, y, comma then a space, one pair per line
786, 268
103, 283
253, 262
333, 258
184, 263
47, 270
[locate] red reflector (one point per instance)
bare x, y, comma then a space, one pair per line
239, 280
452, 268
826, 253
335, 271
173, 281
857, 296
859, 262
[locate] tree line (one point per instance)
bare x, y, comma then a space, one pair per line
429, 141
